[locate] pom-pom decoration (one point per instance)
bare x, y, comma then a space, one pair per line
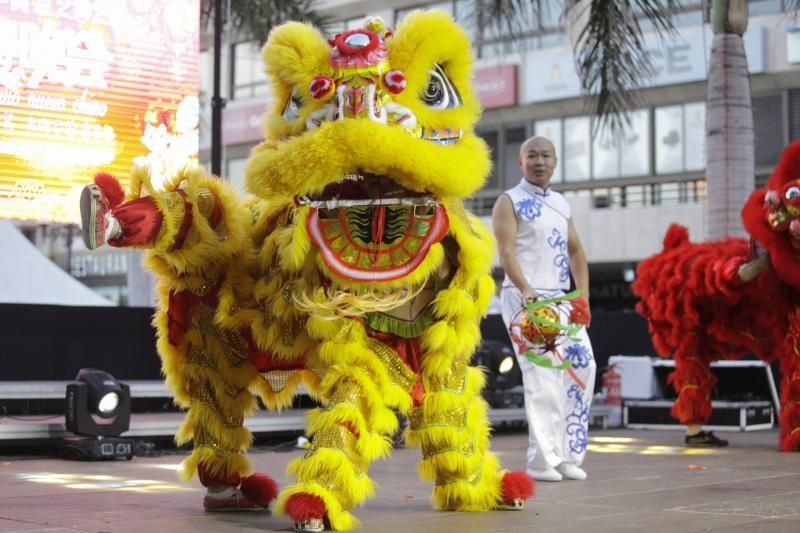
395, 81
321, 87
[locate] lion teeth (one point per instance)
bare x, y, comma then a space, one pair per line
334, 204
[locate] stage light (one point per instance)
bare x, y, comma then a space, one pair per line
503, 376
98, 410
506, 365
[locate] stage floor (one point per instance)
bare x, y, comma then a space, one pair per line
638, 481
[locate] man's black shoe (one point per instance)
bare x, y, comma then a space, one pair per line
705, 438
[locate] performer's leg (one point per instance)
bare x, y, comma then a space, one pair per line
790, 396
693, 381
351, 432
544, 409
577, 396
213, 382
452, 428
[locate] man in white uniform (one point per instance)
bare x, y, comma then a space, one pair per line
539, 249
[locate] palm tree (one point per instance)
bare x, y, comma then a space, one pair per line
253, 19
612, 63
730, 146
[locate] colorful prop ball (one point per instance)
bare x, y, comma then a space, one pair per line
545, 330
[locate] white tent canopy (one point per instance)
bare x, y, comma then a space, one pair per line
28, 277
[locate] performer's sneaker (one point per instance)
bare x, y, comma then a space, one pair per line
94, 208
705, 438
549, 474
570, 471
310, 525
231, 499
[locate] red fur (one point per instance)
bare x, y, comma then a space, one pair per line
517, 485
699, 311
260, 488
110, 187
693, 406
677, 235
790, 427
217, 478
304, 506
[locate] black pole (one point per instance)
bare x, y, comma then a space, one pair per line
69, 248
217, 102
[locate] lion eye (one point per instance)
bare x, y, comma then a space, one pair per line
440, 93
793, 193
291, 111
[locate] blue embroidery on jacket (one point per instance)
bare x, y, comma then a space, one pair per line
529, 208
559, 244
578, 421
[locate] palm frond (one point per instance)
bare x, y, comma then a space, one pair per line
611, 57
254, 19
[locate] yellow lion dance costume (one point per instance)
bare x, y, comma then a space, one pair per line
354, 269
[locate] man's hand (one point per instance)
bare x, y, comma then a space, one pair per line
529, 296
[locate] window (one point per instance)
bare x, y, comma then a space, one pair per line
694, 133
551, 129
248, 76
236, 173
605, 154
514, 137
768, 125
669, 139
577, 144
634, 146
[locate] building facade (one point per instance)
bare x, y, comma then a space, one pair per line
624, 191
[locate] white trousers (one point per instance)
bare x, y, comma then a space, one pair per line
556, 401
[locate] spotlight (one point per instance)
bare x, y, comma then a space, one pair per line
503, 376
98, 410
506, 365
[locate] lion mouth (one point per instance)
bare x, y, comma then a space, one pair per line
371, 228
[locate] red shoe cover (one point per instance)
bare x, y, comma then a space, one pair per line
304, 506
110, 187
516, 486
260, 487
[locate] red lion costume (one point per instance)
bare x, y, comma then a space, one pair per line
723, 299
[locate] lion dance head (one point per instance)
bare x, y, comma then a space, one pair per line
371, 136
772, 216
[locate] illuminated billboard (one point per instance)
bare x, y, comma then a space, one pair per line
88, 86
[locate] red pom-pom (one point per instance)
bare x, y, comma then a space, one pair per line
516, 486
580, 313
261, 488
321, 87
110, 187
304, 506
395, 81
